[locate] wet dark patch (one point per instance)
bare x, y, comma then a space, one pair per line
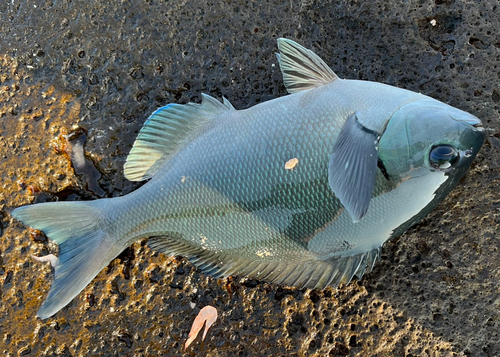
125, 338
439, 30
38, 236
127, 259
90, 299
74, 148
477, 43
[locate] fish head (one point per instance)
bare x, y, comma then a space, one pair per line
427, 137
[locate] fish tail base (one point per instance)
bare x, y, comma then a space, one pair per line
85, 246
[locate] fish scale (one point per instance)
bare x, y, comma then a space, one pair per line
302, 190
215, 179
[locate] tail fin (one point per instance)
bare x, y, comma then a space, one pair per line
85, 247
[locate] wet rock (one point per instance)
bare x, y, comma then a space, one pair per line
339, 349
24, 351
153, 273
38, 236
105, 67
74, 148
125, 338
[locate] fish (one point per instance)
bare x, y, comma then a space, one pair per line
302, 190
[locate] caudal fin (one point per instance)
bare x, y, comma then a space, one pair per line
85, 246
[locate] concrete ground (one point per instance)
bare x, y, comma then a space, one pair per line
96, 70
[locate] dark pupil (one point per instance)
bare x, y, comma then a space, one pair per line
443, 157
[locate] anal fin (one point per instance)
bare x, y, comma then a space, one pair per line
313, 274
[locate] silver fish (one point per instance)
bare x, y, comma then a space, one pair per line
301, 190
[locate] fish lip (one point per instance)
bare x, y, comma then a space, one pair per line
479, 130
466, 156
478, 126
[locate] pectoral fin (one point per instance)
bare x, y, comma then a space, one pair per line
353, 167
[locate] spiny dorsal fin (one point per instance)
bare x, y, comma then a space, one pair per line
164, 130
302, 69
227, 103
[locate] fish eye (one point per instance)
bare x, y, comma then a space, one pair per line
444, 157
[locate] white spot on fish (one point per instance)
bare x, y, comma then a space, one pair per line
265, 252
433, 22
290, 164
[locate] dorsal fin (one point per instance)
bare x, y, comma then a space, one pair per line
227, 103
302, 69
164, 130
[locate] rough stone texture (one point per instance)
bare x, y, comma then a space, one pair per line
106, 67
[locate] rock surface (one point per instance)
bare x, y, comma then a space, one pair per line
99, 69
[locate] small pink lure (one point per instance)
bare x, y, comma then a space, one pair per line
208, 314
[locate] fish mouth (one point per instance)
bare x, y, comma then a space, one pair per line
480, 131
478, 126
472, 140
